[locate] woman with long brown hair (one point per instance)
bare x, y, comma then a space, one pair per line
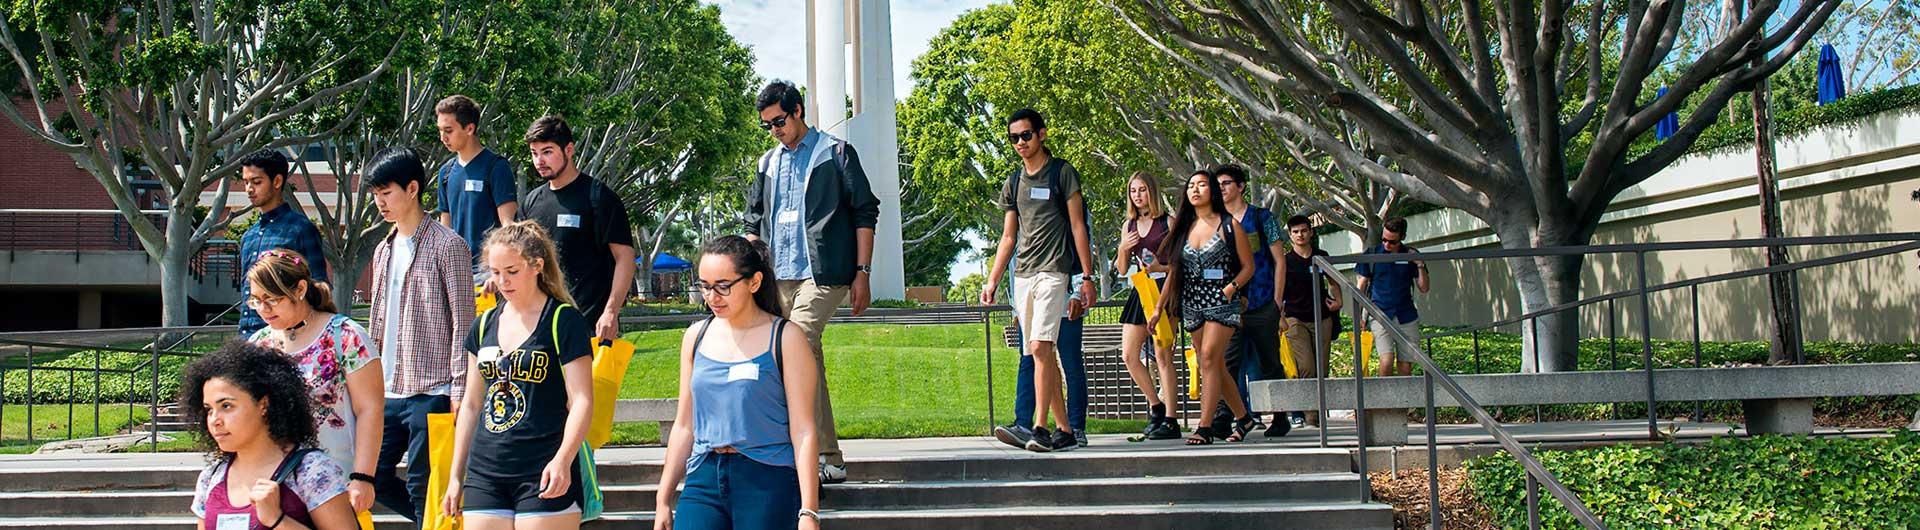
1204, 285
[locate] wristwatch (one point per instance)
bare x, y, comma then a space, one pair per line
864, 268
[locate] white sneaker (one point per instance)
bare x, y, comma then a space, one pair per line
832, 474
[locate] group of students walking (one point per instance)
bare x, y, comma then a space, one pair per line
310, 416
1233, 277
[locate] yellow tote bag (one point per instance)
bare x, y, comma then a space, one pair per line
366, 520
1193, 367
609, 370
1149, 292
440, 463
483, 300
1286, 358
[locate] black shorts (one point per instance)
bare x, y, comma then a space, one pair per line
517, 497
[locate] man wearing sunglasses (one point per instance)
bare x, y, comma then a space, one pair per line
811, 202
1045, 227
1389, 285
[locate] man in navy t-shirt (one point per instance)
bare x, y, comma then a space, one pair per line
477, 191
1389, 285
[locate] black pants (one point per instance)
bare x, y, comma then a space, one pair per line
406, 431
1253, 354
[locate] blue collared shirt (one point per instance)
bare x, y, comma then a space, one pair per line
1390, 285
789, 241
282, 227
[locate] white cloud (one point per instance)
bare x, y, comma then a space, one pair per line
777, 32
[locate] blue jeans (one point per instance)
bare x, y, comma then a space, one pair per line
731, 491
1071, 362
405, 431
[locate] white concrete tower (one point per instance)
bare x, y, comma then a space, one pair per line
868, 50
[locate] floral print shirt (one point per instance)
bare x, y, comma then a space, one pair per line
342, 348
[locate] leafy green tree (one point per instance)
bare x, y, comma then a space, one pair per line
183, 90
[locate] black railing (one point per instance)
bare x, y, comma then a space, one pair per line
1536, 474
165, 342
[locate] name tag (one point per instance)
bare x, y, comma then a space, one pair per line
743, 372
1157, 275
789, 217
1039, 194
476, 185
1213, 274
567, 220
234, 521
489, 354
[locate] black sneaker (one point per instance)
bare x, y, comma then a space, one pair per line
1298, 419
1165, 429
1064, 441
1280, 426
1013, 435
1222, 422
1080, 438
1041, 442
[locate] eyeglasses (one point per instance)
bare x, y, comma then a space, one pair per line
256, 303
722, 288
1228, 182
1394, 242
1020, 137
777, 122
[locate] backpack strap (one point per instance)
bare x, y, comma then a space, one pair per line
291, 464
553, 327
779, 357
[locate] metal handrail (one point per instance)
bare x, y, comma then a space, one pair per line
1434, 374
1571, 250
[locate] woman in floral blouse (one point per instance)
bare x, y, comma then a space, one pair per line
333, 354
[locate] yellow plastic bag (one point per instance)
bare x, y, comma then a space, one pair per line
609, 370
1366, 354
440, 462
483, 300
1286, 358
1149, 292
1193, 367
366, 520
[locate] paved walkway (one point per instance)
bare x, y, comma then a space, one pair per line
1340, 437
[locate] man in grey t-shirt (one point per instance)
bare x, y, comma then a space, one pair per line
1046, 227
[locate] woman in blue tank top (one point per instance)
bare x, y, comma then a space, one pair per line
745, 424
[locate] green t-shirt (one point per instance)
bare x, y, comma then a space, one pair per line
1044, 242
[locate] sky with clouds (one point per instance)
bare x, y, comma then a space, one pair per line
777, 32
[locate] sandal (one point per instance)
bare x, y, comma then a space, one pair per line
1200, 436
1243, 426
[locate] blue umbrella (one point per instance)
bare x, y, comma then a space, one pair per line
1670, 124
1832, 85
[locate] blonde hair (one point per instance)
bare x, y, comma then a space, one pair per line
531, 241
279, 271
1156, 202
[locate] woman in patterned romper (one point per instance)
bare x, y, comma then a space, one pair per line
1203, 291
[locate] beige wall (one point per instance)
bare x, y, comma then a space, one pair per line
1863, 301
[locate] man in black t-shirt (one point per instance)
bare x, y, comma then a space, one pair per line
588, 224
1296, 303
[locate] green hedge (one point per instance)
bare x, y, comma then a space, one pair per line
52, 386
1761, 482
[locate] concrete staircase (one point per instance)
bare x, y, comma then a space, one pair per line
1164, 487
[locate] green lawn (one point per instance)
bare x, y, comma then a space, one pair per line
888, 381
50, 424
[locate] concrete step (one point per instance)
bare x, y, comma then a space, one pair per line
1326, 487
1347, 515
1010, 466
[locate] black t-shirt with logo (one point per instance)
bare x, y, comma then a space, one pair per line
523, 412
582, 218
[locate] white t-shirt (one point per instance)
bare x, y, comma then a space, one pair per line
398, 261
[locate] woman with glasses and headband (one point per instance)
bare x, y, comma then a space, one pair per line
332, 353
1140, 239
744, 429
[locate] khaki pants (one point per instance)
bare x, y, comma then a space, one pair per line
1300, 344
810, 306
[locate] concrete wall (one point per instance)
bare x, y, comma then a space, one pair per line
1849, 179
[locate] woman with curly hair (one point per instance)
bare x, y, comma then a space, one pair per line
250, 409
343, 375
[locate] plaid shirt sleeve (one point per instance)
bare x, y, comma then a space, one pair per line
455, 267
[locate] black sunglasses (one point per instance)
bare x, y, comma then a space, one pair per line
1390, 241
1019, 137
777, 122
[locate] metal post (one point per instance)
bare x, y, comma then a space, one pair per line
1646, 347
1613, 355
1359, 403
1533, 324
69, 405
1320, 353
96, 393
1699, 412
30, 378
153, 407
1533, 501
1476, 351
986, 323
1433, 461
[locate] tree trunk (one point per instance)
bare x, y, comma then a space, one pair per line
342, 280
643, 271
1784, 344
1549, 343
175, 265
